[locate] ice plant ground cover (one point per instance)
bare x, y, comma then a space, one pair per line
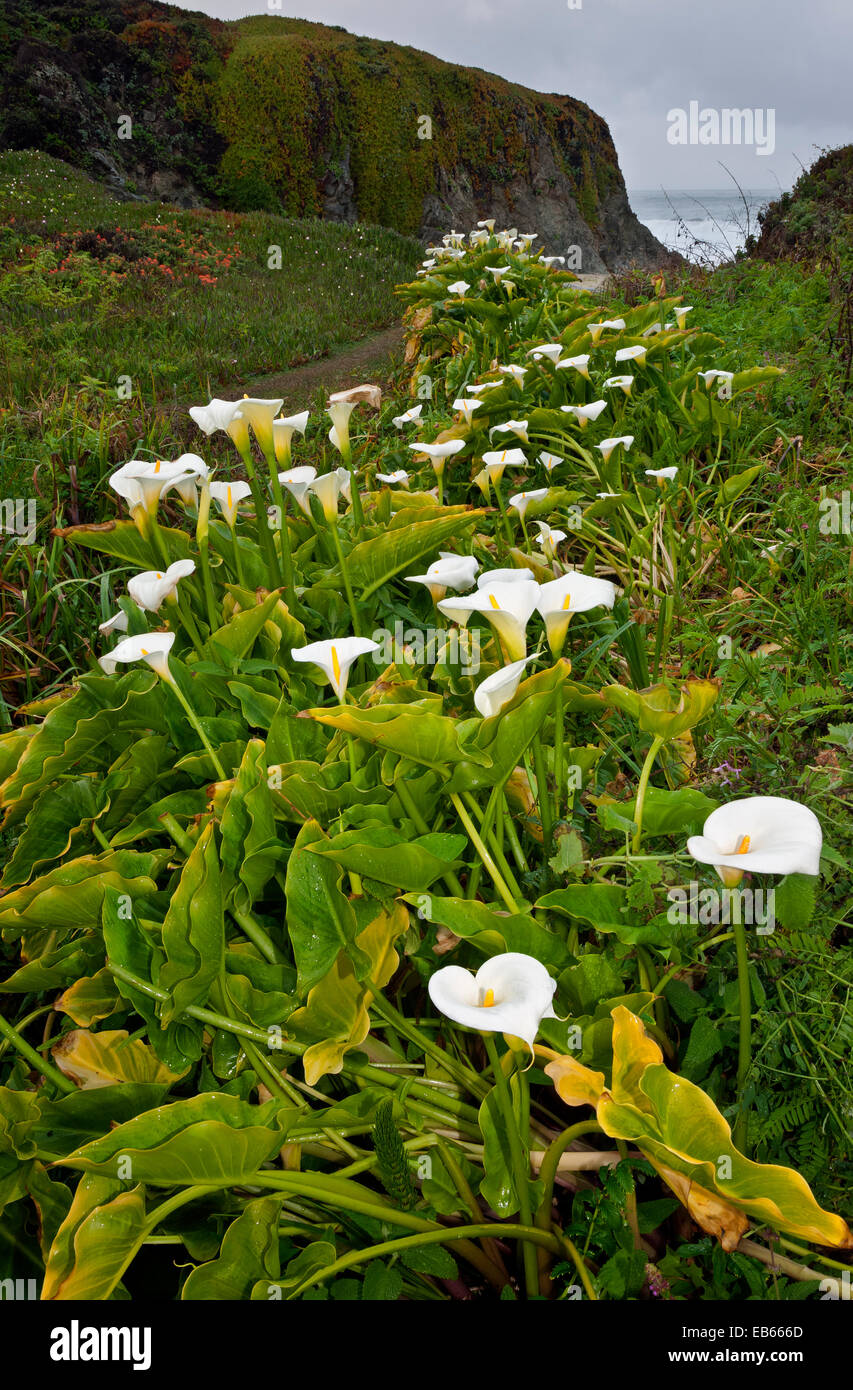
368, 932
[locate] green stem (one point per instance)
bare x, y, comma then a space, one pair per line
559, 752
47, 1069
512, 835
630, 1200
256, 934
440, 1237
188, 622
334, 1192
520, 1165
542, 795
458, 1070
194, 720
286, 554
744, 1055
356, 622
421, 1090
484, 854
657, 744
407, 801
238, 559
209, 597
262, 521
507, 529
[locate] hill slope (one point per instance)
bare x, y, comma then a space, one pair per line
290, 116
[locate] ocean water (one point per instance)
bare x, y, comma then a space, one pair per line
705, 225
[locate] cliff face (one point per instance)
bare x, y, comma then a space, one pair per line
298, 117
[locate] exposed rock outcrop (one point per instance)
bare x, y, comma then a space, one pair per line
301, 118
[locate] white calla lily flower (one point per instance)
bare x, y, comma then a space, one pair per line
482, 386
151, 589
579, 363
438, 454
488, 223
681, 313
596, 329
298, 483
550, 350
553, 260
194, 470
328, 489
516, 427
498, 271
584, 413
715, 375
220, 415
399, 478
228, 497
449, 572
496, 460
549, 539
466, 407
521, 501
517, 373
408, 417
510, 575
117, 623
260, 414
459, 287
608, 445
507, 607
129, 490
339, 413
496, 691
141, 482
151, 647
652, 330
631, 354
509, 994
550, 461
571, 593
619, 383
759, 834
283, 430
663, 475
335, 658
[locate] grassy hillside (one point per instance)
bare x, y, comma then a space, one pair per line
816, 213
180, 302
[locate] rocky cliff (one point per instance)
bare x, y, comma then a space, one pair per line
309, 120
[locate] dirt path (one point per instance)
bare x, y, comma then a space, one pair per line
369, 359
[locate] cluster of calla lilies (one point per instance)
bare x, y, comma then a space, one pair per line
512, 993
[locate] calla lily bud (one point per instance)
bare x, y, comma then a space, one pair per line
496, 691
658, 711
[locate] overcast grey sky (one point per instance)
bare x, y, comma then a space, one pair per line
635, 61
